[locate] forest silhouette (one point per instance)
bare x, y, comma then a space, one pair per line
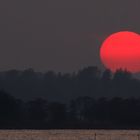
84, 109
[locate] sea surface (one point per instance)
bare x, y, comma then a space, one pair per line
69, 135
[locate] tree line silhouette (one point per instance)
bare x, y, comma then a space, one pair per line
84, 109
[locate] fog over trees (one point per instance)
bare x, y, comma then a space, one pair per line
89, 81
87, 99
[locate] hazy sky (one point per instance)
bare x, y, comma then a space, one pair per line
63, 35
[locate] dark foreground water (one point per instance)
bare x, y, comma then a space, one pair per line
69, 135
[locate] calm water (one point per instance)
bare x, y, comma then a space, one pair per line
69, 135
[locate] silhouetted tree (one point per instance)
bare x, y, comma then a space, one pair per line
57, 114
37, 111
9, 110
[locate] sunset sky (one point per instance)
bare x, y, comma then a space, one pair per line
62, 35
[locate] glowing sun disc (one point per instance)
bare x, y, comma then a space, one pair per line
121, 50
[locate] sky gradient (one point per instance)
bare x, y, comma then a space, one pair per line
62, 35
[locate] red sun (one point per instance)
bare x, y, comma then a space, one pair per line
121, 50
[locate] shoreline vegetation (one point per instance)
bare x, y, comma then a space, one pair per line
83, 112
69, 134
